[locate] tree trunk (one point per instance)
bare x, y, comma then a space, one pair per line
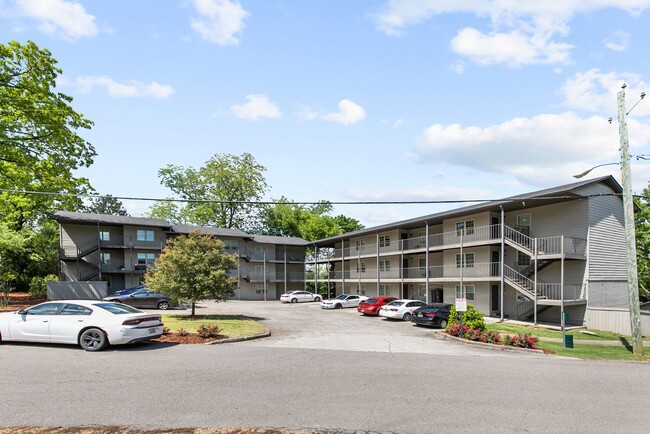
193, 306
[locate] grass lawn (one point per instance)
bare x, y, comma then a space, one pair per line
234, 326
579, 350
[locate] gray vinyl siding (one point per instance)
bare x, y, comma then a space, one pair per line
607, 249
568, 219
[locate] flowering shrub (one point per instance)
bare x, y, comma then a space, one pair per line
522, 340
208, 331
182, 332
473, 318
166, 330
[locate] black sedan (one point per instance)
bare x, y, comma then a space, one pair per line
142, 299
434, 315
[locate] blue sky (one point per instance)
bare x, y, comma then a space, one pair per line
351, 100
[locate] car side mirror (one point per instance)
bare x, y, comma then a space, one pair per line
22, 312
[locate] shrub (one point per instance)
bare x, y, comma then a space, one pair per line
38, 285
182, 332
208, 331
166, 330
522, 340
473, 319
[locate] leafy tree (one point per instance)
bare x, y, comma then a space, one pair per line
12, 247
231, 184
168, 210
309, 222
642, 231
107, 205
193, 268
39, 144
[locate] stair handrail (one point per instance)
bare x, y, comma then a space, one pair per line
520, 280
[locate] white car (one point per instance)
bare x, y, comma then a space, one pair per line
91, 324
401, 309
299, 296
343, 300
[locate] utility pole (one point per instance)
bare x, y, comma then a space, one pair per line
628, 209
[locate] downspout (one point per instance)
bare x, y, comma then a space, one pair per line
562, 277
99, 253
535, 282
426, 261
342, 267
286, 273
378, 273
503, 259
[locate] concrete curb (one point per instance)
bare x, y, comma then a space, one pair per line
265, 334
445, 336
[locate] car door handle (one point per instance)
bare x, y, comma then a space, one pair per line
45, 320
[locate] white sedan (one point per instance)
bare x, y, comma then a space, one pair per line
343, 300
401, 309
91, 324
299, 296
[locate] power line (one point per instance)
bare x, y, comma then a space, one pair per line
247, 202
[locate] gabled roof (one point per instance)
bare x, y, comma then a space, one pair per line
272, 239
219, 232
85, 218
562, 193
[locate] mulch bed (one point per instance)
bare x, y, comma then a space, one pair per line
22, 300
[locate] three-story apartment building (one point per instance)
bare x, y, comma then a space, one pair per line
118, 250
528, 257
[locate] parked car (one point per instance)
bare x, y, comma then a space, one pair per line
142, 299
91, 324
130, 290
343, 300
373, 304
435, 315
299, 296
400, 309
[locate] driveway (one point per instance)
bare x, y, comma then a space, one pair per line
307, 326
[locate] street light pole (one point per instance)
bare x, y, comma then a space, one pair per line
628, 209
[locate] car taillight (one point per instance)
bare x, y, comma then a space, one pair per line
431, 315
140, 320
392, 309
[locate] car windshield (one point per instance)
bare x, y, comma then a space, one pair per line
371, 301
342, 297
396, 303
117, 308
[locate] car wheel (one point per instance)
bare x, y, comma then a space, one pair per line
443, 324
294, 300
93, 340
338, 306
407, 317
317, 299
163, 305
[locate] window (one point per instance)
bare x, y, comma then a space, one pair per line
230, 245
422, 262
45, 309
105, 258
104, 235
144, 235
422, 238
146, 258
361, 288
467, 225
359, 244
384, 240
523, 259
259, 288
384, 289
422, 289
361, 267
384, 265
469, 292
75, 309
467, 263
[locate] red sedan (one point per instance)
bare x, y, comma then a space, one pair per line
373, 304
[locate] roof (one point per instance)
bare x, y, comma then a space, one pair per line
206, 230
272, 239
82, 217
558, 194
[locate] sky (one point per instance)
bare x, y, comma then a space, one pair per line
352, 100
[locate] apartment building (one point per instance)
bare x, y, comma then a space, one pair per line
119, 250
528, 257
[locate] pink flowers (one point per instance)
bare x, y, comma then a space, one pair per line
521, 340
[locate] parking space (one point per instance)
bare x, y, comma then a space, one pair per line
306, 325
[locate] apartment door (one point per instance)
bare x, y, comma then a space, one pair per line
494, 297
405, 291
496, 229
495, 263
437, 295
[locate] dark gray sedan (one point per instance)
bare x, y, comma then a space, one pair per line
142, 299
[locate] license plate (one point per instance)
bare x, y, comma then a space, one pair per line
420, 315
152, 330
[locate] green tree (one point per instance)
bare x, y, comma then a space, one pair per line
642, 231
193, 268
221, 193
168, 210
12, 247
309, 222
39, 142
107, 205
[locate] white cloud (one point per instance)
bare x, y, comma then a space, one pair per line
596, 91
538, 150
349, 113
65, 19
258, 106
514, 48
219, 21
528, 25
415, 194
619, 41
132, 89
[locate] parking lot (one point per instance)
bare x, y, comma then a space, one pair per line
306, 325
